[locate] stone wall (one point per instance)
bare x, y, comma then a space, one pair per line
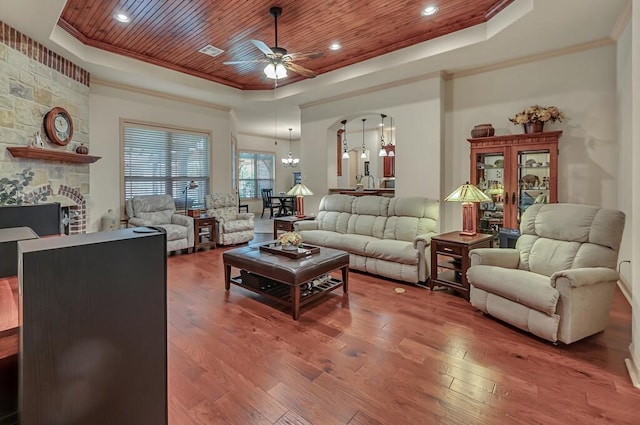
33, 80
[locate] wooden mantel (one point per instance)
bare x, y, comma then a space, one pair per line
51, 155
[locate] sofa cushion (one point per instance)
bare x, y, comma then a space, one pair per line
557, 237
316, 237
394, 251
333, 221
157, 217
523, 287
174, 231
371, 205
366, 225
353, 244
236, 225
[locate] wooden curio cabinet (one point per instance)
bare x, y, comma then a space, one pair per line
515, 171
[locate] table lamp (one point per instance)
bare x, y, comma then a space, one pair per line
192, 185
299, 191
468, 194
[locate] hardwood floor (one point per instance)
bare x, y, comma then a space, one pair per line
379, 357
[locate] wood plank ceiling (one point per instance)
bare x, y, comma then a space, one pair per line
170, 33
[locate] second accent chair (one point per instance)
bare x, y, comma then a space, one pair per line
232, 227
160, 210
558, 282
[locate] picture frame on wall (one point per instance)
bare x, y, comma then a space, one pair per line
366, 168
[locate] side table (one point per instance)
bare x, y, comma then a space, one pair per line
450, 251
204, 232
285, 223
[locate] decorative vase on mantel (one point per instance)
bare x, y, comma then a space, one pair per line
534, 127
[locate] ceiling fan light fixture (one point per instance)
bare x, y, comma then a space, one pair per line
275, 71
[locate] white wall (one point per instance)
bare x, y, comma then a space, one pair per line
108, 105
581, 84
416, 108
625, 163
633, 363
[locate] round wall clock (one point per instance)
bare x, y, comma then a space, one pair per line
58, 126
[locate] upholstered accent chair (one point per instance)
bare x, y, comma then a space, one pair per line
559, 281
232, 227
160, 211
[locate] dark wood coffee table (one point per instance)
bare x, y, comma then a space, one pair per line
280, 278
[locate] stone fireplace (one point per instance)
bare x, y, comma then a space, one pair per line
72, 203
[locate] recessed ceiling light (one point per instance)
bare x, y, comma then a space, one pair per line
429, 10
335, 46
121, 17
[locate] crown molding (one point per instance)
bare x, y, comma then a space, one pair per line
621, 23
373, 89
153, 93
531, 58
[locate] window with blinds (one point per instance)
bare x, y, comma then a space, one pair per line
256, 171
158, 161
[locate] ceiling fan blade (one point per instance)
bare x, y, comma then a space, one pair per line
263, 47
263, 60
299, 69
306, 55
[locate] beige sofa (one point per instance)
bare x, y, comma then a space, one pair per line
385, 236
558, 282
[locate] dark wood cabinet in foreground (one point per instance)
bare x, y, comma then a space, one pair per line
93, 333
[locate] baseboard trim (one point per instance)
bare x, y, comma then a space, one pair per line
632, 368
624, 291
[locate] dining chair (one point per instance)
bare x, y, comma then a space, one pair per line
268, 203
241, 206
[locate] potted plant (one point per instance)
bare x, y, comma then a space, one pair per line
534, 117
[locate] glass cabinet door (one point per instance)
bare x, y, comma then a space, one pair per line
533, 179
490, 178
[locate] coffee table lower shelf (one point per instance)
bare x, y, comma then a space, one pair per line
285, 294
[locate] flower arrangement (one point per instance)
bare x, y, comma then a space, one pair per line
537, 113
290, 238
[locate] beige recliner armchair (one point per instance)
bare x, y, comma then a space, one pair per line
160, 210
232, 227
558, 282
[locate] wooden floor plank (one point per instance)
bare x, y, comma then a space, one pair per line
378, 357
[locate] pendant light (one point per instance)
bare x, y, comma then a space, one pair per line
383, 151
392, 152
290, 161
345, 148
363, 155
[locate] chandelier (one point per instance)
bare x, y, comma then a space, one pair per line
290, 161
345, 147
383, 151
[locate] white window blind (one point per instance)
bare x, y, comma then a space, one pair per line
161, 161
255, 172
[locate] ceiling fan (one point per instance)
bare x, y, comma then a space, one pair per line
278, 60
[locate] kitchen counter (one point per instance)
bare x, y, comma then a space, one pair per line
365, 192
